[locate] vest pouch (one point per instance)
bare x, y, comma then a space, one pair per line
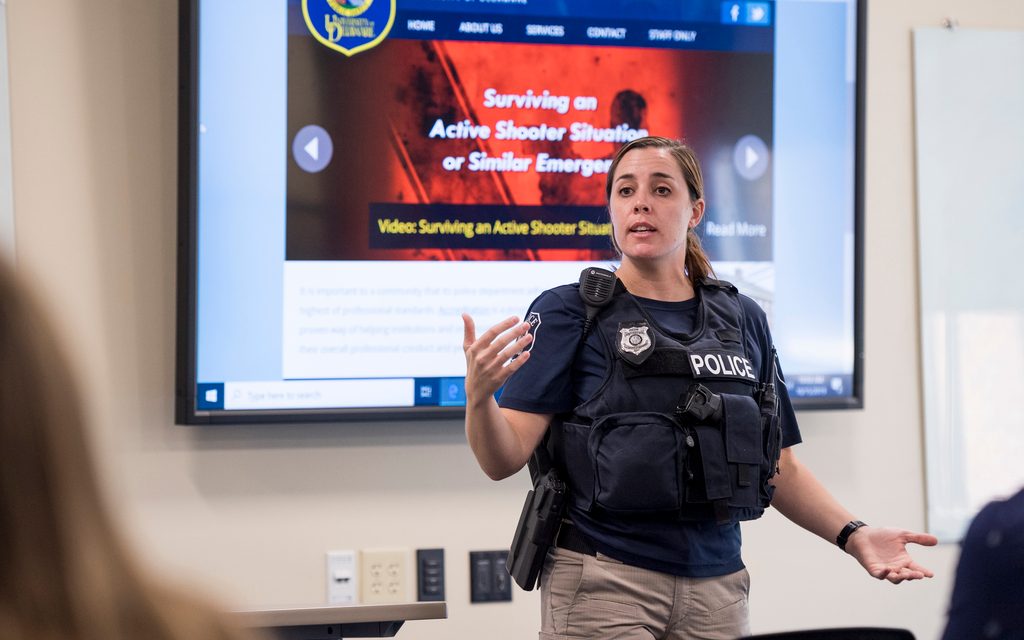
741, 422
638, 463
714, 480
728, 457
575, 449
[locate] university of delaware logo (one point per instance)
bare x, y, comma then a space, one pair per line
349, 26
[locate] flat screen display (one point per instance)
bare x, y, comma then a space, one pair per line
355, 174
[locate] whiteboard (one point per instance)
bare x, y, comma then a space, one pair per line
969, 102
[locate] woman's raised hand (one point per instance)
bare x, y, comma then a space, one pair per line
490, 358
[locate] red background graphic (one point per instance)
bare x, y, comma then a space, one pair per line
379, 108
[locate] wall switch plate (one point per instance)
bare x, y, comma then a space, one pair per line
430, 575
342, 581
488, 579
384, 575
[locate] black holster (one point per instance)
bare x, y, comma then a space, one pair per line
537, 528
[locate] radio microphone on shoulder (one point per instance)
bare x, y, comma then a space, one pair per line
597, 287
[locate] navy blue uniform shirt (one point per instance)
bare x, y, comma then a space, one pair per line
561, 374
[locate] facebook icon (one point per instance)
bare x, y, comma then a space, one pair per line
732, 12
747, 13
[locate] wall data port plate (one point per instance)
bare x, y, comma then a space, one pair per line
384, 576
342, 577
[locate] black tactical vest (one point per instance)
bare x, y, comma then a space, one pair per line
682, 427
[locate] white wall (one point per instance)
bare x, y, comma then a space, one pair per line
250, 511
6, 199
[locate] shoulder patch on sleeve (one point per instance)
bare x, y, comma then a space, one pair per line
534, 320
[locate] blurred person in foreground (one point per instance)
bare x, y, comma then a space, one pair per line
988, 593
65, 571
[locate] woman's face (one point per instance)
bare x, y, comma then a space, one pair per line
650, 207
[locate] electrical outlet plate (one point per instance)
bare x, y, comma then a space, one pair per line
342, 577
384, 576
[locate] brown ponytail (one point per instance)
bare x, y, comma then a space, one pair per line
697, 264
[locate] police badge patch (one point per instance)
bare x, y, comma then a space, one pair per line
349, 26
636, 341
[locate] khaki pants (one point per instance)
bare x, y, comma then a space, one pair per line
597, 597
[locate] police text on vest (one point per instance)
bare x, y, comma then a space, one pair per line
719, 364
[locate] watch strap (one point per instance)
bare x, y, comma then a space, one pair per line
847, 531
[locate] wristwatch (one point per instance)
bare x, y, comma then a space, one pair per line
848, 530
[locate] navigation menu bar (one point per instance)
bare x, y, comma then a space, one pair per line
746, 37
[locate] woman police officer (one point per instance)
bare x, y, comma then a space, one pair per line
639, 556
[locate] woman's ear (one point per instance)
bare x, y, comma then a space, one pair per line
696, 213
